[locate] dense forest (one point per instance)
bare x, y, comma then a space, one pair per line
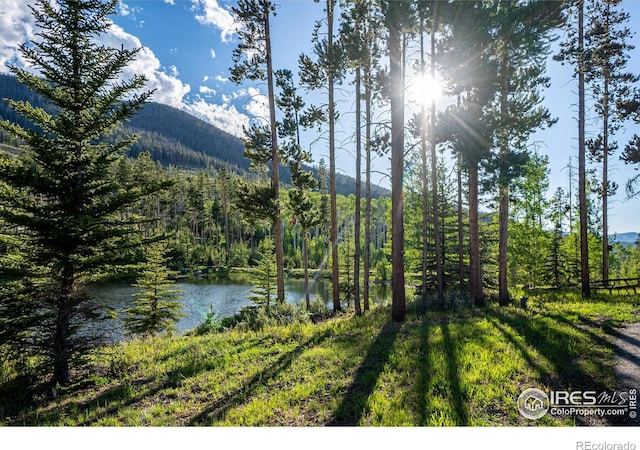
97, 183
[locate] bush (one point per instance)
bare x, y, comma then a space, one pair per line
256, 318
211, 324
383, 271
318, 309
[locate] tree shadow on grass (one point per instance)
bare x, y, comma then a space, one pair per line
543, 373
127, 393
354, 402
220, 407
453, 375
424, 374
118, 396
553, 344
568, 364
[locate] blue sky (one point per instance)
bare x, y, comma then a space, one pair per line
187, 55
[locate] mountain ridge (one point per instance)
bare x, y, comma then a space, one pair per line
625, 238
173, 137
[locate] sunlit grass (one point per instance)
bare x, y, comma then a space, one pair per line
463, 366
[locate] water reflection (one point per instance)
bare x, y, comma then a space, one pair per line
226, 298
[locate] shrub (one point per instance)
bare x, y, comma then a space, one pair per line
258, 317
211, 324
318, 309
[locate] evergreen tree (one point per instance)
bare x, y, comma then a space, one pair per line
607, 45
314, 75
556, 270
473, 73
397, 15
573, 51
59, 197
253, 60
352, 35
306, 211
264, 291
157, 306
522, 37
431, 10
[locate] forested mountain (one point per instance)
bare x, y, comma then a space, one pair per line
625, 238
177, 138
173, 137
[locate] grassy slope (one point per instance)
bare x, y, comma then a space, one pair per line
463, 367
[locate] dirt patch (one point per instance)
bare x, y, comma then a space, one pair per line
627, 368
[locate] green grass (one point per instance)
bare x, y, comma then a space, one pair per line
465, 366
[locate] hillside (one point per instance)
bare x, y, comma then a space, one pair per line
625, 238
173, 137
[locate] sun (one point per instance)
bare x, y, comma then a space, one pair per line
424, 89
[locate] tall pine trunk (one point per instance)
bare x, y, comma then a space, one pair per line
398, 305
503, 185
357, 219
460, 228
474, 238
434, 175
367, 204
582, 190
275, 164
425, 178
335, 268
503, 221
605, 180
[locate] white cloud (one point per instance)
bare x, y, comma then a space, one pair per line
225, 117
209, 12
221, 79
16, 27
173, 71
123, 9
212, 52
257, 105
169, 89
207, 91
170, 2
227, 98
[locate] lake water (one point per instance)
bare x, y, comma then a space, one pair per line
226, 298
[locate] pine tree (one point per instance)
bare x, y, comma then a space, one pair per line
353, 40
522, 32
573, 51
306, 211
253, 60
397, 14
157, 306
264, 291
473, 74
556, 271
606, 41
58, 198
314, 75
